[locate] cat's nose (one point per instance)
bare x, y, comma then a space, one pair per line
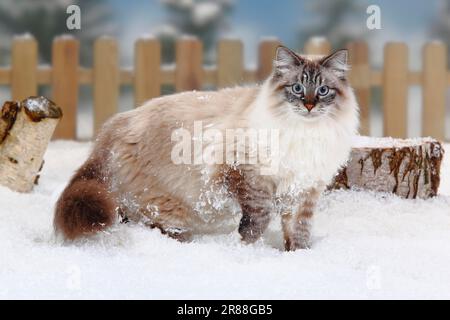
309, 106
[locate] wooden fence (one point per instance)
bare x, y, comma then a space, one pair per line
106, 76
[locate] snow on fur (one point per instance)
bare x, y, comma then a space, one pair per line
365, 245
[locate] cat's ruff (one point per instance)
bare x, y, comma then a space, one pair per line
310, 151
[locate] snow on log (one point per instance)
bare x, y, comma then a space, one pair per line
409, 168
25, 130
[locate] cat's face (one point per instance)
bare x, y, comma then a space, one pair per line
310, 88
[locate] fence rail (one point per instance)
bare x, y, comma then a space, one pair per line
148, 75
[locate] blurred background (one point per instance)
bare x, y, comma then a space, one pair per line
291, 21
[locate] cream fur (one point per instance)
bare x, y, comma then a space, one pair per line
149, 164
139, 147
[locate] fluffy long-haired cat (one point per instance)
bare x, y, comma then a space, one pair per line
131, 173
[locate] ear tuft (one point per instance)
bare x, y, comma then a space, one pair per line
337, 62
286, 58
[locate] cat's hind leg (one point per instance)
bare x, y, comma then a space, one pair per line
178, 233
170, 216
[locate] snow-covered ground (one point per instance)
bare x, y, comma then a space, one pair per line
366, 245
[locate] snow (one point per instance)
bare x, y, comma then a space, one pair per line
318, 40
188, 37
365, 245
269, 38
62, 37
38, 104
204, 13
23, 37
388, 142
147, 36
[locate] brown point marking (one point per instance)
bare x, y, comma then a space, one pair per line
91, 170
85, 207
306, 213
280, 87
252, 200
340, 92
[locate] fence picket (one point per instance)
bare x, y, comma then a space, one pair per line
267, 51
230, 64
360, 81
106, 80
434, 90
65, 60
147, 70
148, 75
189, 64
395, 90
24, 67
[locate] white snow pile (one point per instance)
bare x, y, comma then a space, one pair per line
388, 142
366, 245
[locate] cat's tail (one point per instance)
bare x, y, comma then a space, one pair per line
85, 206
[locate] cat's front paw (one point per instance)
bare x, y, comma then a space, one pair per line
249, 236
297, 244
252, 229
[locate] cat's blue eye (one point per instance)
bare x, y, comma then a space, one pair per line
323, 90
297, 88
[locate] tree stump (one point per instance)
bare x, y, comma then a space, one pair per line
25, 130
409, 168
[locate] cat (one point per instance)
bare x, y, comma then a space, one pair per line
131, 173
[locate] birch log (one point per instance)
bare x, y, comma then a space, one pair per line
409, 168
25, 130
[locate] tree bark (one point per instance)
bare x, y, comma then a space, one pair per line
26, 128
409, 168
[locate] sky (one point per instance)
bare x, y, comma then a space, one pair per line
281, 17
251, 20
401, 20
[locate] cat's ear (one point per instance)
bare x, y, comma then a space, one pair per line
286, 59
337, 63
